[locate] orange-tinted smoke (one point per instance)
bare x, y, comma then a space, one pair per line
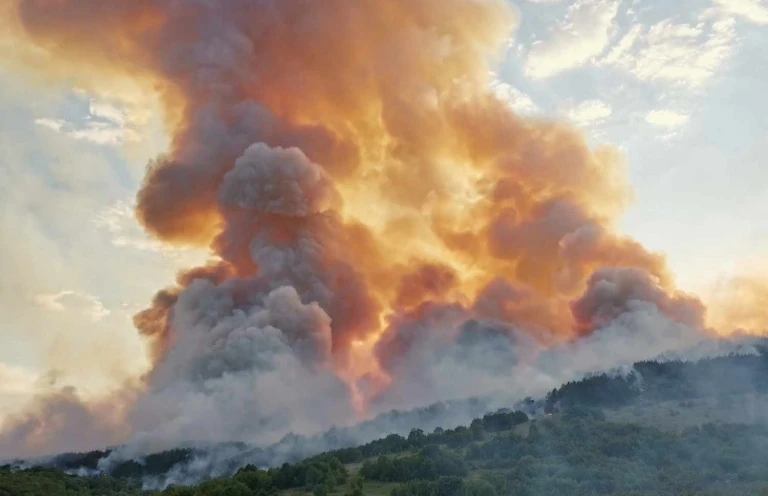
432, 189
739, 304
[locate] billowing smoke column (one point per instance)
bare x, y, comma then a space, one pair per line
371, 207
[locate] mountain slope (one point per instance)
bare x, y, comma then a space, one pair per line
663, 428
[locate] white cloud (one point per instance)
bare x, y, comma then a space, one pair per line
107, 111
119, 221
666, 118
623, 46
54, 124
105, 124
99, 133
589, 112
519, 101
685, 55
80, 302
581, 36
753, 10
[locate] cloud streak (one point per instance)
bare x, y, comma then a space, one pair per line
105, 124
589, 112
755, 11
581, 36
73, 300
666, 118
680, 54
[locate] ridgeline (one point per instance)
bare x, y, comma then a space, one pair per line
663, 428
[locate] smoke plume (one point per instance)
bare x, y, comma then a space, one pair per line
384, 231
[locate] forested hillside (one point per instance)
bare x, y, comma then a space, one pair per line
672, 380
576, 441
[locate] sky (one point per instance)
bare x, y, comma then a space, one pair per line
677, 86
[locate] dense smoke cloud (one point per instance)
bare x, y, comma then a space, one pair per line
380, 223
241, 376
62, 421
613, 292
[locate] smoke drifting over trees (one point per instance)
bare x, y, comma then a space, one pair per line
384, 231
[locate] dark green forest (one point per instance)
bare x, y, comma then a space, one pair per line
663, 381
574, 446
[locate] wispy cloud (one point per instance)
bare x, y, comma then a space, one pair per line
620, 51
681, 54
669, 121
583, 34
77, 301
666, 118
519, 101
753, 10
54, 124
125, 232
589, 112
105, 124
108, 112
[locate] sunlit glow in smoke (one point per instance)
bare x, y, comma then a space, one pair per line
367, 199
